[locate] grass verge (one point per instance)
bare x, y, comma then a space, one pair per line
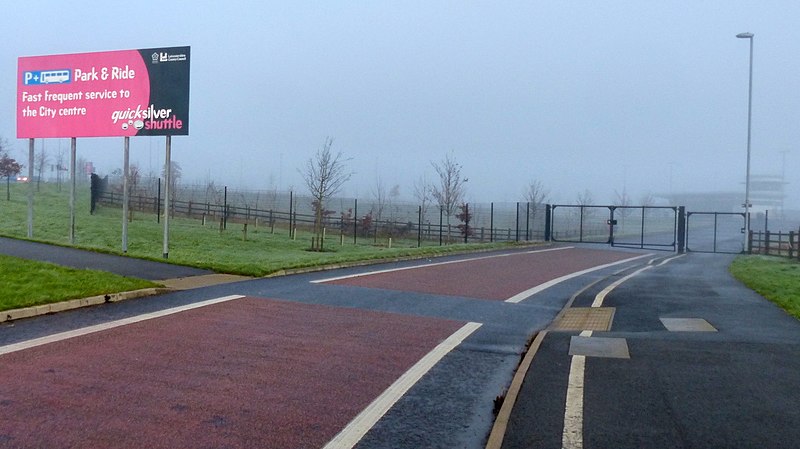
264, 250
777, 279
29, 283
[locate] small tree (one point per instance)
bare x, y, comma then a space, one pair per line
449, 193
8, 168
324, 175
536, 195
465, 216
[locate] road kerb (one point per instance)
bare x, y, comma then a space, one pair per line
501, 422
29, 312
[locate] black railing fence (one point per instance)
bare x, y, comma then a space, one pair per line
348, 217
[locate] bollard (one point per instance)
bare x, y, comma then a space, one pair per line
390, 242
244, 233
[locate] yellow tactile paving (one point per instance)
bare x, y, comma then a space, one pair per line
585, 318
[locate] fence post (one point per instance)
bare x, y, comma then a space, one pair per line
441, 216
791, 243
766, 241
681, 229
528, 221
355, 221
491, 222
419, 227
225, 209
516, 225
548, 229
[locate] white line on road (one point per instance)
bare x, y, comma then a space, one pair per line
471, 259
572, 437
360, 425
532, 291
109, 325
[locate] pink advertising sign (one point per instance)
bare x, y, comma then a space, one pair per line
103, 94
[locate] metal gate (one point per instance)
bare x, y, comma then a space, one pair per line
650, 227
715, 232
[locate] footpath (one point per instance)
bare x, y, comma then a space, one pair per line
680, 355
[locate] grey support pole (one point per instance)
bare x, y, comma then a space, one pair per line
73, 151
30, 188
167, 182
125, 194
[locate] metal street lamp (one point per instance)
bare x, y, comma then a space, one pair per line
749, 116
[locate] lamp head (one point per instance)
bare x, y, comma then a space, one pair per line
745, 35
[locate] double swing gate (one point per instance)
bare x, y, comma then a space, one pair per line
647, 227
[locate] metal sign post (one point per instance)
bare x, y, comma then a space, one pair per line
125, 194
73, 150
30, 188
167, 182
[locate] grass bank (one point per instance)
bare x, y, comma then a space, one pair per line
28, 283
777, 279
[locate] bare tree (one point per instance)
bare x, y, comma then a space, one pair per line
61, 166
585, 198
449, 193
648, 200
422, 192
134, 176
536, 195
380, 198
623, 201
324, 175
40, 164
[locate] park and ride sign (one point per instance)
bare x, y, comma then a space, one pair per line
104, 94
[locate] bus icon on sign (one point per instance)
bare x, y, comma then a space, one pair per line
47, 77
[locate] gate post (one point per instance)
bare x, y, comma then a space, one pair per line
611, 225
548, 215
681, 229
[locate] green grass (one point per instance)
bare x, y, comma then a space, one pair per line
191, 243
774, 278
28, 283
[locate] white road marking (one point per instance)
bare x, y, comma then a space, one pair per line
598, 300
110, 325
472, 259
572, 437
532, 291
360, 425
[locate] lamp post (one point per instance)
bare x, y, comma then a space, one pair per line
749, 116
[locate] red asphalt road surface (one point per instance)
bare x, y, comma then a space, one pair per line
247, 373
495, 278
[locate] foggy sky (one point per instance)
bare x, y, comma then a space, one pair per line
649, 97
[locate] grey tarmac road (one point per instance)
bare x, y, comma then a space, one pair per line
724, 389
451, 405
735, 387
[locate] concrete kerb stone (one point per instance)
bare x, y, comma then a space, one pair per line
29, 312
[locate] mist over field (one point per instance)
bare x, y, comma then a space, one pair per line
625, 99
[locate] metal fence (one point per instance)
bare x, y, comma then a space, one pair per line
348, 217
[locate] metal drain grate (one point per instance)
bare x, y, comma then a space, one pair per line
585, 319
